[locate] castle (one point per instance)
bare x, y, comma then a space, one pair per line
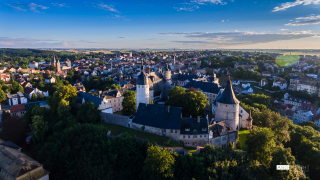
56, 63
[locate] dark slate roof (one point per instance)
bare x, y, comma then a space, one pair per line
28, 90
218, 127
142, 79
227, 96
10, 145
183, 77
194, 126
204, 86
167, 68
158, 116
88, 97
295, 99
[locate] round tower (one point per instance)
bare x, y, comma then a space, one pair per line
227, 107
167, 73
142, 95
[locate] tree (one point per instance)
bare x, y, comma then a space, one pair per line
64, 108
39, 128
282, 156
88, 113
129, 103
311, 124
113, 86
158, 164
190, 102
33, 98
3, 95
68, 93
13, 129
260, 145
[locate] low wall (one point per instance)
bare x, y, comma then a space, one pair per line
115, 119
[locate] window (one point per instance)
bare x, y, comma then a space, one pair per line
189, 137
164, 130
205, 135
200, 143
194, 136
226, 105
204, 129
171, 131
241, 111
175, 131
200, 136
224, 138
184, 136
231, 136
187, 129
217, 140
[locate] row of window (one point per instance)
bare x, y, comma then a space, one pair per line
194, 136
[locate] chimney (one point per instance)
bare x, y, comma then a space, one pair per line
26, 162
198, 119
168, 109
190, 116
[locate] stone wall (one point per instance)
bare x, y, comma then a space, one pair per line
116, 119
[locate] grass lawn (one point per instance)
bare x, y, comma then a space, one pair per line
261, 91
160, 140
242, 138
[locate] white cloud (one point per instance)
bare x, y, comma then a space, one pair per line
107, 7
34, 7
59, 5
284, 29
209, 1
193, 4
17, 8
238, 37
222, 21
312, 19
287, 5
123, 37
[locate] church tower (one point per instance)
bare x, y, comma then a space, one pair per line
54, 61
226, 107
142, 86
167, 73
58, 66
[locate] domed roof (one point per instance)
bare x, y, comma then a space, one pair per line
142, 79
227, 96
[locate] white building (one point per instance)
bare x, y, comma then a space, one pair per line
244, 85
142, 86
14, 99
302, 116
280, 82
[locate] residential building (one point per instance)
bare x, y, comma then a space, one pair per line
18, 110
308, 84
14, 99
280, 82
50, 80
115, 96
266, 73
34, 65
246, 65
245, 85
16, 165
294, 82
263, 82
301, 116
101, 103
294, 100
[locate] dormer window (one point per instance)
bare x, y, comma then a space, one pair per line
204, 129
187, 129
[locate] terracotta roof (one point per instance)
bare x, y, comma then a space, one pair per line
18, 107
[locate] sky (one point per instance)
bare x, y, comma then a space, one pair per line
157, 24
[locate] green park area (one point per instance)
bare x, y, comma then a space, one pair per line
242, 139
160, 140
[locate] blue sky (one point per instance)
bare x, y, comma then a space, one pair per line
205, 24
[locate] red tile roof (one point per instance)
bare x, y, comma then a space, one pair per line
18, 107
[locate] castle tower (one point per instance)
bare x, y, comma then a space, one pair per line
167, 73
142, 87
58, 66
249, 122
226, 107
